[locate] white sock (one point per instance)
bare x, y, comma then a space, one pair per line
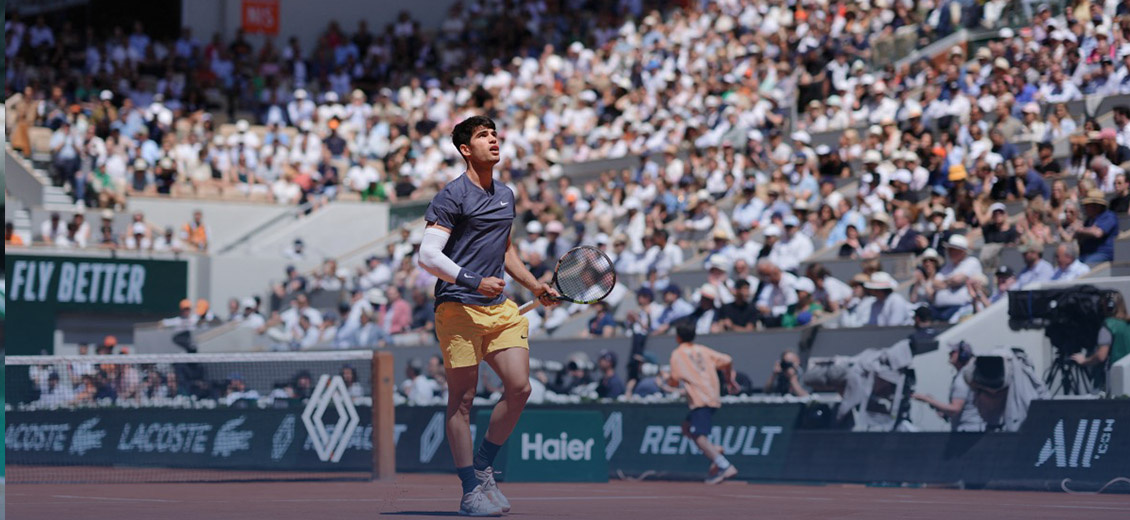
721, 462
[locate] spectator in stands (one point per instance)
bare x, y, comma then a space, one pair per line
1096, 237
397, 313
960, 410
11, 238
806, 307
610, 385
602, 324
997, 229
1036, 269
195, 233
237, 390
879, 237
299, 308
417, 387
651, 383
785, 379
903, 239
922, 291
423, 312
1120, 203
777, 293
739, 315
674, 307
52, 229
705, 312
249, 316
792, 248
56, 394
574, 376
889, 309
66, 152
1067, 264
186, 320
950, 289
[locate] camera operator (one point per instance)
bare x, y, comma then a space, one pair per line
1113, 343
960, 410
785, 379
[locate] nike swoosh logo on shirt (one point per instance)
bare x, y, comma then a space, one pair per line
465, 275
503, 204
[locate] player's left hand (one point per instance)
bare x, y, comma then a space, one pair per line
547, 295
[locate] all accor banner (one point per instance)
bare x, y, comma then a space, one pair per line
260, 17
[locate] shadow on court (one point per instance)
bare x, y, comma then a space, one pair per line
421, 513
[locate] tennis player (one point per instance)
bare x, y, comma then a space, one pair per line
696, 368
467, 245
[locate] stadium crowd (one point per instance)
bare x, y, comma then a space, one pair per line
702, 95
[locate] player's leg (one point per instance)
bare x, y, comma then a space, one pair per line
513, 367
460, 344
700, 422
508, 354
461, 386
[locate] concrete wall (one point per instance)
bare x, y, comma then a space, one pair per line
331, 231
308, 20
227, 220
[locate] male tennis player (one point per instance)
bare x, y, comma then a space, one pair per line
696, 367
466, 245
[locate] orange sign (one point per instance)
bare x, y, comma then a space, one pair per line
261, 17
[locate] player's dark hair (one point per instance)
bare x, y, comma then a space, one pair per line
462, 132
685, 333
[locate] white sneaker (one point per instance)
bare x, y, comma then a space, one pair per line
476, 503
490, 487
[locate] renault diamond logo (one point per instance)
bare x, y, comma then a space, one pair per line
330, 446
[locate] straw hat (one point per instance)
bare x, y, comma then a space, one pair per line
1095, 197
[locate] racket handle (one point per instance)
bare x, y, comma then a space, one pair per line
529, 306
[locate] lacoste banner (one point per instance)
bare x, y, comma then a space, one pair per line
39, 287
552, 445
250, 439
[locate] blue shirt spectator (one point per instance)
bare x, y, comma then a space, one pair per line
1096, 239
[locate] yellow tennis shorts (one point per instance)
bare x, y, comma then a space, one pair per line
467, 333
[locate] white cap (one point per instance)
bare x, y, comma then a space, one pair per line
801, 137
958, 242
997, 206
708, 291
805, 284
902, 175
376, 296
106, 95
555, 226
792, 221
993, 159
242, 125
601, 238
248, 303
823, 149
772, 230
881, 280
533, 227
872, 156
300, 93
719, 262
331, 97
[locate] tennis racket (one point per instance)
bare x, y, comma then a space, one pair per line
584, 275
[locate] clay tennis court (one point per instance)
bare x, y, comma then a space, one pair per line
432, 496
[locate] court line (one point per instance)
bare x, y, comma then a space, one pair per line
116, 499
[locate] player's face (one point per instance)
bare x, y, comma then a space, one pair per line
483, 147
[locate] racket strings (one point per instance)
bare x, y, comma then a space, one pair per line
585, 274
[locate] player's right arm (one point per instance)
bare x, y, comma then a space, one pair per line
433, 260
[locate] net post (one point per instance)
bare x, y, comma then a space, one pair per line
384, 417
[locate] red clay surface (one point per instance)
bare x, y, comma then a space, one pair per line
434, 496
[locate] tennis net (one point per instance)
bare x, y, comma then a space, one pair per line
197, 417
